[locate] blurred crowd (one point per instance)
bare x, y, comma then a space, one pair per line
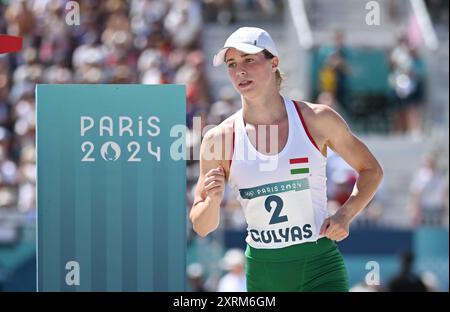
405, 99
225, 11
402, 106
157, 42
117, 41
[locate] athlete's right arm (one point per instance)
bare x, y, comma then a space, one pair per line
205, 212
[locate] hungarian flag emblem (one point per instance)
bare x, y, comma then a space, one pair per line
299, 165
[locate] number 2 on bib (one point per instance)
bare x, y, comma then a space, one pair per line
276, 218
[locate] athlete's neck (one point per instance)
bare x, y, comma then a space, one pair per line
263, 110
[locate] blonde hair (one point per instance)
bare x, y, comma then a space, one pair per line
278, 75
280, 78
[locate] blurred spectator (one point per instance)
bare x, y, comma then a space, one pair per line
234, 280
333, 77
195, 273
227, 12
406, 280
184, 22
222, 11
415, 111
394, 11
429, 194
406, 80
19, 18
264, 7
328, 76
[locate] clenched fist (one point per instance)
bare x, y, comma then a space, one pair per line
214, 183
335, 228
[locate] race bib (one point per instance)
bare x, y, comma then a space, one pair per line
279, 214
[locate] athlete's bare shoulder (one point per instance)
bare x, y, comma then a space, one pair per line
220, 136
320, 115
316, 111
322, 121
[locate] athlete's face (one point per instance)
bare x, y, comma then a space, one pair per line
250, 73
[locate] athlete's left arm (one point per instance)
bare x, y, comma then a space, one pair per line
340, 138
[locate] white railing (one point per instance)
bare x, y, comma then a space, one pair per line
420, 11
301, 23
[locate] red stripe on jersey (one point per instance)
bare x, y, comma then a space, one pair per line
305, 127
232, 147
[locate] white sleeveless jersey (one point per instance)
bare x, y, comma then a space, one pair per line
284, 195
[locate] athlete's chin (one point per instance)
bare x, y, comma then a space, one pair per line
249, 91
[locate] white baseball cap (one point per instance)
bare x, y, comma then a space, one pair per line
249, 40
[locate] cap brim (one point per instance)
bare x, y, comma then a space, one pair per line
219, 58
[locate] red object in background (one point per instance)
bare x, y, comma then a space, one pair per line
10, 43
344, 190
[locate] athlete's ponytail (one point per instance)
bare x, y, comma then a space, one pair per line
278, 75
